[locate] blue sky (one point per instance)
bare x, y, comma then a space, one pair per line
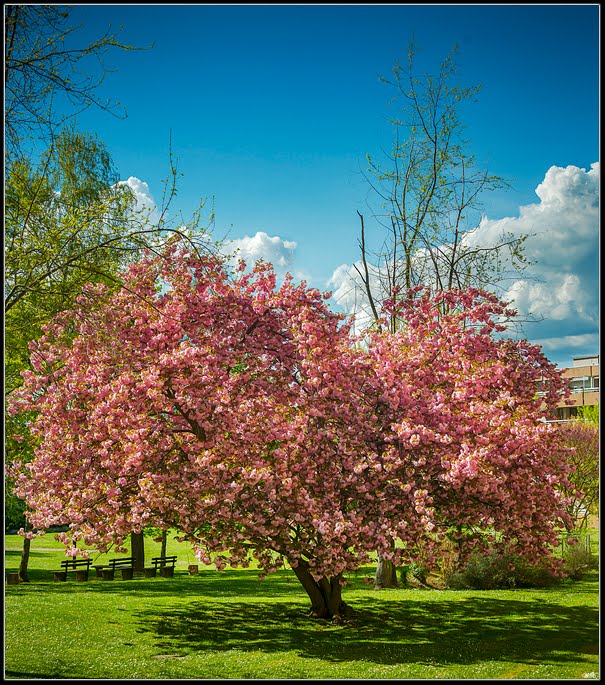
272, 109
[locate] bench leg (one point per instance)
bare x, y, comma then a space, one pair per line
150, 572
127, 573
60, 576
167, 571
108, 574
81, 576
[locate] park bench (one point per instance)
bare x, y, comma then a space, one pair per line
78, 566
165, 564
107, 571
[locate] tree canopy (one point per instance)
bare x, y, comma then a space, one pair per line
246, 415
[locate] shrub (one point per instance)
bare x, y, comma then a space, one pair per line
413, 571
577, 560
500, 571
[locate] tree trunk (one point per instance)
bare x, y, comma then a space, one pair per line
23, 574
386, 574
325, 594
137, 544
163, 547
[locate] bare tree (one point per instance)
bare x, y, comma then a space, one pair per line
431, 190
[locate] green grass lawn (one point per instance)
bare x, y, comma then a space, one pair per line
232, 625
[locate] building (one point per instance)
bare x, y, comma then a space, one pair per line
583, 378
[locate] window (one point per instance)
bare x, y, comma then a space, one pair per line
584, 383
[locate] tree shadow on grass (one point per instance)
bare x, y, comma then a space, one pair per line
58, 674
386, 632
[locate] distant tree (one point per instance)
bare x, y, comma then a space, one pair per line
245, 416
582, 440
14, 509
431, 189
590, 414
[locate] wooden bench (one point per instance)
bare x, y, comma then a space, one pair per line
107, 571
79, 566
165, 564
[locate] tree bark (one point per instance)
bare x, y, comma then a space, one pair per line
137, 544
386, 574
23, 573
163, 547
325, 594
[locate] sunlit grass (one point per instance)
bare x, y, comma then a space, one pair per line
232, 625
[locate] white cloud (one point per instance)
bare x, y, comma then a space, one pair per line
144, 202
562, 227
563, 230
561, 288
273, 249
348, 292
573, 344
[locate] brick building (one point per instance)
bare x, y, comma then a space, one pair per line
583, 378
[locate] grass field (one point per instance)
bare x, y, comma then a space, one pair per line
232, 625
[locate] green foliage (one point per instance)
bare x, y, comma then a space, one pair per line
67, 223
506, 571
14, 510
411, 572
590, 414
578, 560
500, 571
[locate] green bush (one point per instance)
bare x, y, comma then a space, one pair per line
413, 570
14, 511
499, 572
577, 560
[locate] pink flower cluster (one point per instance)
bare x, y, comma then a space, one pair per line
247, 416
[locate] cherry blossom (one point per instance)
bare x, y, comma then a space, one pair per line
247, 416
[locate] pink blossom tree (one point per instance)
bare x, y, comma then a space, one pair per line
246, 416
582, 440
